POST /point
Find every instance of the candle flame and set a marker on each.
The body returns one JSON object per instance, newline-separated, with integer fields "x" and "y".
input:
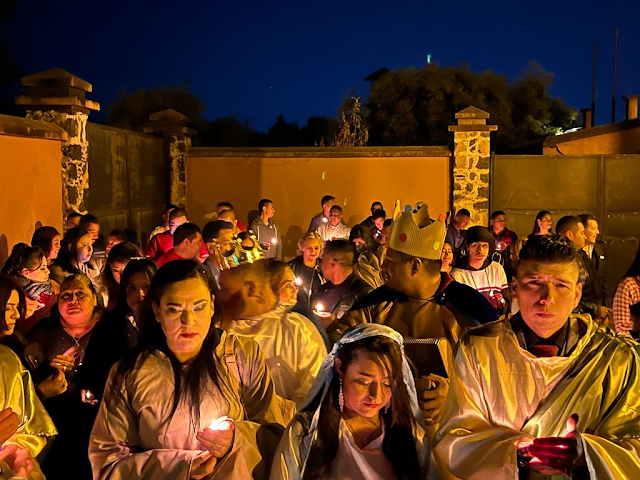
{"x": 274, "y": 240}
{"x": 319, "y": 307}
{"x": 221, "y": 423}
{"x": 298, "y": 281}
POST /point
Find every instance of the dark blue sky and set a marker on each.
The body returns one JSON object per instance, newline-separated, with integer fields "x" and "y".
{"x": 256, "y": 59}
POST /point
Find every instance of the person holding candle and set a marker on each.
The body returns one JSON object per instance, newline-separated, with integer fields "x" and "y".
{"x": 188, "y": 401}
{"x": 543, "y": 392}
{"x": 292, "y": 346}
{"x": 306, "y": 269}
{"x": 334, "y": 228}
{"x": 361, "y": 419}
{"x": 266, "y": 230}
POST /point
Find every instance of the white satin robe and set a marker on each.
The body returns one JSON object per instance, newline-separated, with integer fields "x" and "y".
{"x": 133, "y": 440}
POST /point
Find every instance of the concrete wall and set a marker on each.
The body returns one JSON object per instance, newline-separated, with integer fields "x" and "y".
{"x": 296, "y": 179}
{"x": 31, "y": 181}
{"x": 128, "y": 174}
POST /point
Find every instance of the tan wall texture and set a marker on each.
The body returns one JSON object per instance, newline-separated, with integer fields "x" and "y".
{"x": 31, "y": 186}
{"x": 296, "y": 181}
{"x": 621, "y": 142}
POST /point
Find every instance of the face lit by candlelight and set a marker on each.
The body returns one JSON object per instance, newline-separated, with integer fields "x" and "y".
{"x": 185, "y": 312}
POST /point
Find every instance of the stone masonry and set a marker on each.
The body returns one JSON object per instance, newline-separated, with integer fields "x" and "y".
{"x": 472, "y": 154}
{"x": 58, "y": 97}
{"x": 177, "y": 135}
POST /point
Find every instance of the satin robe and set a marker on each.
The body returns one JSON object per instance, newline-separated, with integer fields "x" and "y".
{"x": 18, "y": 393}
{"x": 132, "y": 438}
{"x": 501, "y": 394}
{"x": 292, "y": 347}
{"x": 293, "y": 451}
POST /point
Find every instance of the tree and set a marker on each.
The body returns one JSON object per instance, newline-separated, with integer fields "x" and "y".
{"x": 283, "y": 134}
{"x": 353, "y": 132}
{"x": 415, "y": 107}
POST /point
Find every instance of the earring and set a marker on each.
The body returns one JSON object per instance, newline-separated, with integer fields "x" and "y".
{"x": 341, "y": 398}
{"x": 386, "y": 407}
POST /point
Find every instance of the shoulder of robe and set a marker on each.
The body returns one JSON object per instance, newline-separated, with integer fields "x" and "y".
{"x": 467, "y": 301}
{"x": 8, "y": 357}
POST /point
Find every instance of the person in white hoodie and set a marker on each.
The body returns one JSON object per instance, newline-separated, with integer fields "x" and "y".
{"x": 334, "y": 229}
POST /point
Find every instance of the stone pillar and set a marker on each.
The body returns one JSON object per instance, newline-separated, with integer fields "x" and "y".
{"x": 471, "y": 163}
{"x": 58, "y": 97}
{"x": 173, "y": 126}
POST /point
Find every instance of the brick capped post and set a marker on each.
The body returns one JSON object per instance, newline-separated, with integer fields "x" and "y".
{"x": 472, "y": 154}
{"x": 58, "y": 97}
{"x": 177, "y": 135}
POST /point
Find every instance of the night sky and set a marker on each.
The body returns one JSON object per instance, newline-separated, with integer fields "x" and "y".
{"x": 257, "y": 59}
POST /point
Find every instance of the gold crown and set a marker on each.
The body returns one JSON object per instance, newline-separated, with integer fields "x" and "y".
{"x": 415, "y": 234}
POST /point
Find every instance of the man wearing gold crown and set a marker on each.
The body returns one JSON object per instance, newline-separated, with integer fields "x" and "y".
{"x": 417, "y": 299}
{"x": 545, "y": 392}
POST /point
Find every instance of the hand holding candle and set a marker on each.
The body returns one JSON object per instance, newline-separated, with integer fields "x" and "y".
{"x": 554, "y": 455}
{"x": 217, "y": 437}
{"x": 327, "y": 318}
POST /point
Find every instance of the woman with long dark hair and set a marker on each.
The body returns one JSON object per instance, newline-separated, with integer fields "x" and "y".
{"x": 118, "y": 332}
{"x": 117, "y": 259}
{"x": 542, "y": 223}
{"x": 76, "y": 256}
{"x": 172, "y": 404}
{"x": 361, "y": 419}
{"x": 48, "y": 239}
{"x": 627, "y": 293}
{"x": 25, "y": 426}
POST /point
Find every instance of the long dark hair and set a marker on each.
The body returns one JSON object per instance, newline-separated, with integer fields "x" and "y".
{"x": 399, "y": 445}
{"x": 190, "y": 384}
{"x": 68, "y": 256}
{"x": 23, "y": 256}
{"x": 7, "y": 285}
{"x": 142, "y": 265}
{"x": 43, "y": 237}
{"x": 360, "y": 231}
{"x": 536, "y": 227}
{"x": 122, "y": 253}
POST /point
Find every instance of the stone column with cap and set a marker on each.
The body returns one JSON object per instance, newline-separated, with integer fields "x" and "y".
{"x": 58, "y": 97}
{"x": 472, "y": 154}
{"x": 177, "y": 135}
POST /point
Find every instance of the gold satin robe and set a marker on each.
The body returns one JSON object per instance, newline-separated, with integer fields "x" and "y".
{"x": 133, "y": 440}
{"x": 501, "y": 394}
{"x": 18, "y": 393}
{"x": 292, "y": 347}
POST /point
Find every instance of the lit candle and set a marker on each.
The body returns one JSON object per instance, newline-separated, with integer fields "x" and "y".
{"x": 88, "y": 395}
{"x": 325, "y": 219}
{"x": 221, "y": 423}
{"x": 274, "y": 241}
{"x": 297, "y": 282}
{"x": 319, "y": 310}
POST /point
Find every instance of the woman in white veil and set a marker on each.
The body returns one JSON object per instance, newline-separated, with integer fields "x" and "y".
{"x": 361, "y": 419}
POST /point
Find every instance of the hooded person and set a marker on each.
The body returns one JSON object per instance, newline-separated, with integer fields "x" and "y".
{"x": 417, "y": 299}
{"x": 292, "y": 346}
{"x": 361, "y": 418}
{"x": 480, "y": 272}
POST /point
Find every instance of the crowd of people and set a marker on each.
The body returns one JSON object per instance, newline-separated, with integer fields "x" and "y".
{"x": 404, "y": 347}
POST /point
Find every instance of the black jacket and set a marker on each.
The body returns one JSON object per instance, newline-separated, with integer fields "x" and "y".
{"x": 338, "y": 299}
{"x": 311, "y": 280}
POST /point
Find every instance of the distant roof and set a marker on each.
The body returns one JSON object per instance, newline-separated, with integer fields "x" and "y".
{"x": 375, "y": 76}
{"x": 553, "y": 140}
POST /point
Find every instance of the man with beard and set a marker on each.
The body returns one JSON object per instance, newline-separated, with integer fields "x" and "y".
{"x": 292, "y": 346}
{"x": 478, "y": 271}
{"x": 544, "y": 392}
{"x": 418, "y": 300}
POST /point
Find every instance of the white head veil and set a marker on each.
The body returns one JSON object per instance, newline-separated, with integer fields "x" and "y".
{"x": 325, "y": 375}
